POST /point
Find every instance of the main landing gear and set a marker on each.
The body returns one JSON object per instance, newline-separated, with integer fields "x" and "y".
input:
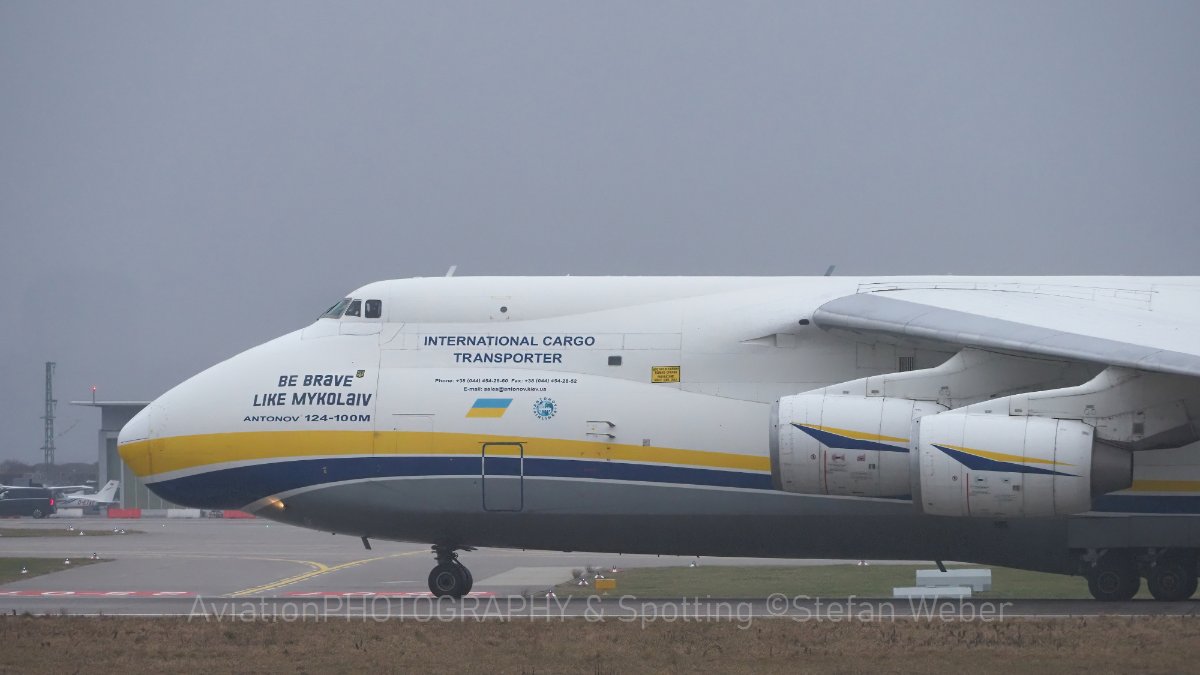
{"x": 1172, "y": 576}
{"x": 449, "y": 578}
{"x": 1114, "y": 577}
{"x": 1116, "y": 574}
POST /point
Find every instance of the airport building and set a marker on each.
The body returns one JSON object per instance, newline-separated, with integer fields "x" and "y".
{"x": 133, "y": 493}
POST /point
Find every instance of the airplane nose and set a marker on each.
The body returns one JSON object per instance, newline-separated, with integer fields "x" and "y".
{"x": 211, "y": 441}
{"x": 133, "y": 441}
{"x": 137, "y": 429}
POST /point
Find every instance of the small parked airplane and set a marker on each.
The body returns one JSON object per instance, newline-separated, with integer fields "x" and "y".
{"x": 106, "y": 495}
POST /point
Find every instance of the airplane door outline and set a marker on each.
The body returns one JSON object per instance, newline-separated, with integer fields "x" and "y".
{"x": 502, "y": 476}
{"x": 417, "y": 427}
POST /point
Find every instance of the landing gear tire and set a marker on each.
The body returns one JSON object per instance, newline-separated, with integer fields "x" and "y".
{"x": 1172, "y": 578}
{"x": 450, "y": 580}
{"x": 471, "y": 580}
{"x": 1114, "y": 578}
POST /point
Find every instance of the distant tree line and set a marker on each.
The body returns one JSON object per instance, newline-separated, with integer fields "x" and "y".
{"x": 71, "y": 473}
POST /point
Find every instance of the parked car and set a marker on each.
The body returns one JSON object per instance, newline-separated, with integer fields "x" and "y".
{"x": 26, "y": 501}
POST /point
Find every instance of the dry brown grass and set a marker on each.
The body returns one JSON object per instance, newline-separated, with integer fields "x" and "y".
{"x": 65, "y": 645}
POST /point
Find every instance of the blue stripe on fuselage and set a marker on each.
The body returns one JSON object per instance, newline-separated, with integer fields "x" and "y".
{"x": 1165, "y": 504}
{"x": 238, "y": 486}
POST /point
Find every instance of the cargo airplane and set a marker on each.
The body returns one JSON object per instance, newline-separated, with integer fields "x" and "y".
{"x": 1046, "y": 423}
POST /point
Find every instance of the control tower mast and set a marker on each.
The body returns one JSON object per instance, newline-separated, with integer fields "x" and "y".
{"x": 48, "y": 446}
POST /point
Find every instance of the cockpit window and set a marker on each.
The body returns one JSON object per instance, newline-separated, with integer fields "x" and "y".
{"x": 355, "y": 308}
{"x": 335, "y": 312}
{"x": 374, "y": 309}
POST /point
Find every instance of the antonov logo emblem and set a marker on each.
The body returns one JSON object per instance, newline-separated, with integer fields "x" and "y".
{"x": 545, "y": 408}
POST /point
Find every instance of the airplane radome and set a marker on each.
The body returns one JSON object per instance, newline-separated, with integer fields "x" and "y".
{"x": 1040, "y": 423}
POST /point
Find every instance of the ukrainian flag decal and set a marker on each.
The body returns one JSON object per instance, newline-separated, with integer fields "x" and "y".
{"x": 489, "y": 407}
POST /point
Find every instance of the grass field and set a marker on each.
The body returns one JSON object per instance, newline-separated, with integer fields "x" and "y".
{"x": 827, "y": 581}
{"x": 62, "y": 644}
{"x": 6, "y": 532}
{"x": 10, "y": 568}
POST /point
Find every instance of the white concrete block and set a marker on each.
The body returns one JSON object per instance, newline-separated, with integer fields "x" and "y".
{"x": 978, "y": 579}
{"x": 183, "y": 513}
{"x": 69, "y": 513}
{"x": 932, "y": 592}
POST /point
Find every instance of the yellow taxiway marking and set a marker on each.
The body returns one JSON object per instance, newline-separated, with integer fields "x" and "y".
{"x": 317, "y": 570}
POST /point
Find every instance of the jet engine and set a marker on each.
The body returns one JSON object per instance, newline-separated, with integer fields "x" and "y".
{"x": 1002, "y": 466}
{"x": 858, "y": 446}
{"x": 951, "y": 463}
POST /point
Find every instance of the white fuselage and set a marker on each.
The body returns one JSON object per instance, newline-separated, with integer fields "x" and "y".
{"x": 624, "y": 414}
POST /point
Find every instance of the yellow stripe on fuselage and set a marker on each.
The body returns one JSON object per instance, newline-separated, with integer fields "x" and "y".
{"x": 857, "y": 435}
{"x": 1002, "y": 456}
{"x": 1165, "y": 486}
{"x": 177, "y": 453}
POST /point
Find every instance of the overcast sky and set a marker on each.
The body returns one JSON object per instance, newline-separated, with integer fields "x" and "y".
{"x": 181, "y": 181}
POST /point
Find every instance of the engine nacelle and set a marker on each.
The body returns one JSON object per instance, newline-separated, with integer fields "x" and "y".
{"x": 1001, "y": 466}
{"x": 858, "y": 446}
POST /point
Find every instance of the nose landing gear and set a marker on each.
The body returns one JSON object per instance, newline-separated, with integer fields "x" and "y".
{"x": 449, "y": 578}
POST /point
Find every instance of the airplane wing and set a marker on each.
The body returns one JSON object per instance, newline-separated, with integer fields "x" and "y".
{"x": 1130, "y": 328}
{"x": 70, "y": 489}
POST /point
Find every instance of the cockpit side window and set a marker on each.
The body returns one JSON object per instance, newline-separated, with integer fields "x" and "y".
{"x": 374, "y": 309}
{"x": 335, "y": 312}
{"x": 355, "y": 308}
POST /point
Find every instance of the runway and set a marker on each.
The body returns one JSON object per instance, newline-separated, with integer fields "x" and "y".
{"x": 258, "y": 570}
{"x": 486, "y": 607}
{"x": 241, "y": 558}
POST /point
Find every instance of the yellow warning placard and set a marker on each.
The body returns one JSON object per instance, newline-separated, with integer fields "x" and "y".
{"x": 664, "y": 374}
